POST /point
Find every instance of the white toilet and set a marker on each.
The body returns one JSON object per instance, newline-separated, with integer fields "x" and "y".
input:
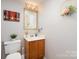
{"x": 14, "y": 56}
{"x": 11, "y": 48}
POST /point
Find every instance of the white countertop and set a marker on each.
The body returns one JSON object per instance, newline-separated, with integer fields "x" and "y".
{"x": 40, "y": 37}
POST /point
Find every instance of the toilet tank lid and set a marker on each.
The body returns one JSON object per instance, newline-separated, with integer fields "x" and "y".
{"x": 11, "y": 42}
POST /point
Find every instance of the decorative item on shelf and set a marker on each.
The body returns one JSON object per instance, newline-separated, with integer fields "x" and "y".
{"x": 13, "y": 36}
{"x": 68, "y": 10}
{"x": 11, "y": 16}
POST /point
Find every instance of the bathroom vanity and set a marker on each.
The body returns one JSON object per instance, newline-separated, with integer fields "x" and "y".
{"x": 34, "y": 48}
{"x": 34, "y": 45}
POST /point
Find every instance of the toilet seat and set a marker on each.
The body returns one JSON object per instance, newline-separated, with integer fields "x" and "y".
{"x": 14, "y": 56}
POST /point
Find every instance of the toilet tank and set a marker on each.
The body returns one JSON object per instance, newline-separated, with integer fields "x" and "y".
{"x": 12, "y": 46}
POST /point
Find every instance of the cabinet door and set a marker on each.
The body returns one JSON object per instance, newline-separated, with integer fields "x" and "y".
{"x": 33, "y": 52}
{"x": 41, "y": 50}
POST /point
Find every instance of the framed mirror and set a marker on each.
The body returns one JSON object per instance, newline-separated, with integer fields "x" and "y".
{"x": 30, "y": 19}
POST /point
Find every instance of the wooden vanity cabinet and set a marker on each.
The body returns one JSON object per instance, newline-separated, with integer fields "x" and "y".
{"x": 34, "y": 49}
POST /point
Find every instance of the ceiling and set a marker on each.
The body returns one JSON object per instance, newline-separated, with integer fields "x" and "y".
{"x": 37, "y": 1}
{"x": 41, "y": 2}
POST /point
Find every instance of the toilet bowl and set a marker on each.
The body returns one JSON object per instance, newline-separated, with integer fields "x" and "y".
{"x": 16, "y": 55}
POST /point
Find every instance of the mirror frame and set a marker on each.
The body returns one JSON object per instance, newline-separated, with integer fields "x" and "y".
{"x": 26, "y": 28}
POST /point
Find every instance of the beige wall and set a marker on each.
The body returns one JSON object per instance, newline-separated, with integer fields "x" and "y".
{"x": 61, "y": 31}
{"x": 8, "y": 27}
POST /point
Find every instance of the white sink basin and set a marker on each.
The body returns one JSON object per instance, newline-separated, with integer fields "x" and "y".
{"x": 28, "y": 38}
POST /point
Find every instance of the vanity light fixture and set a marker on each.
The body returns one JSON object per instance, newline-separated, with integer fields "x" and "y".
{"x": 31, "y": 6}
